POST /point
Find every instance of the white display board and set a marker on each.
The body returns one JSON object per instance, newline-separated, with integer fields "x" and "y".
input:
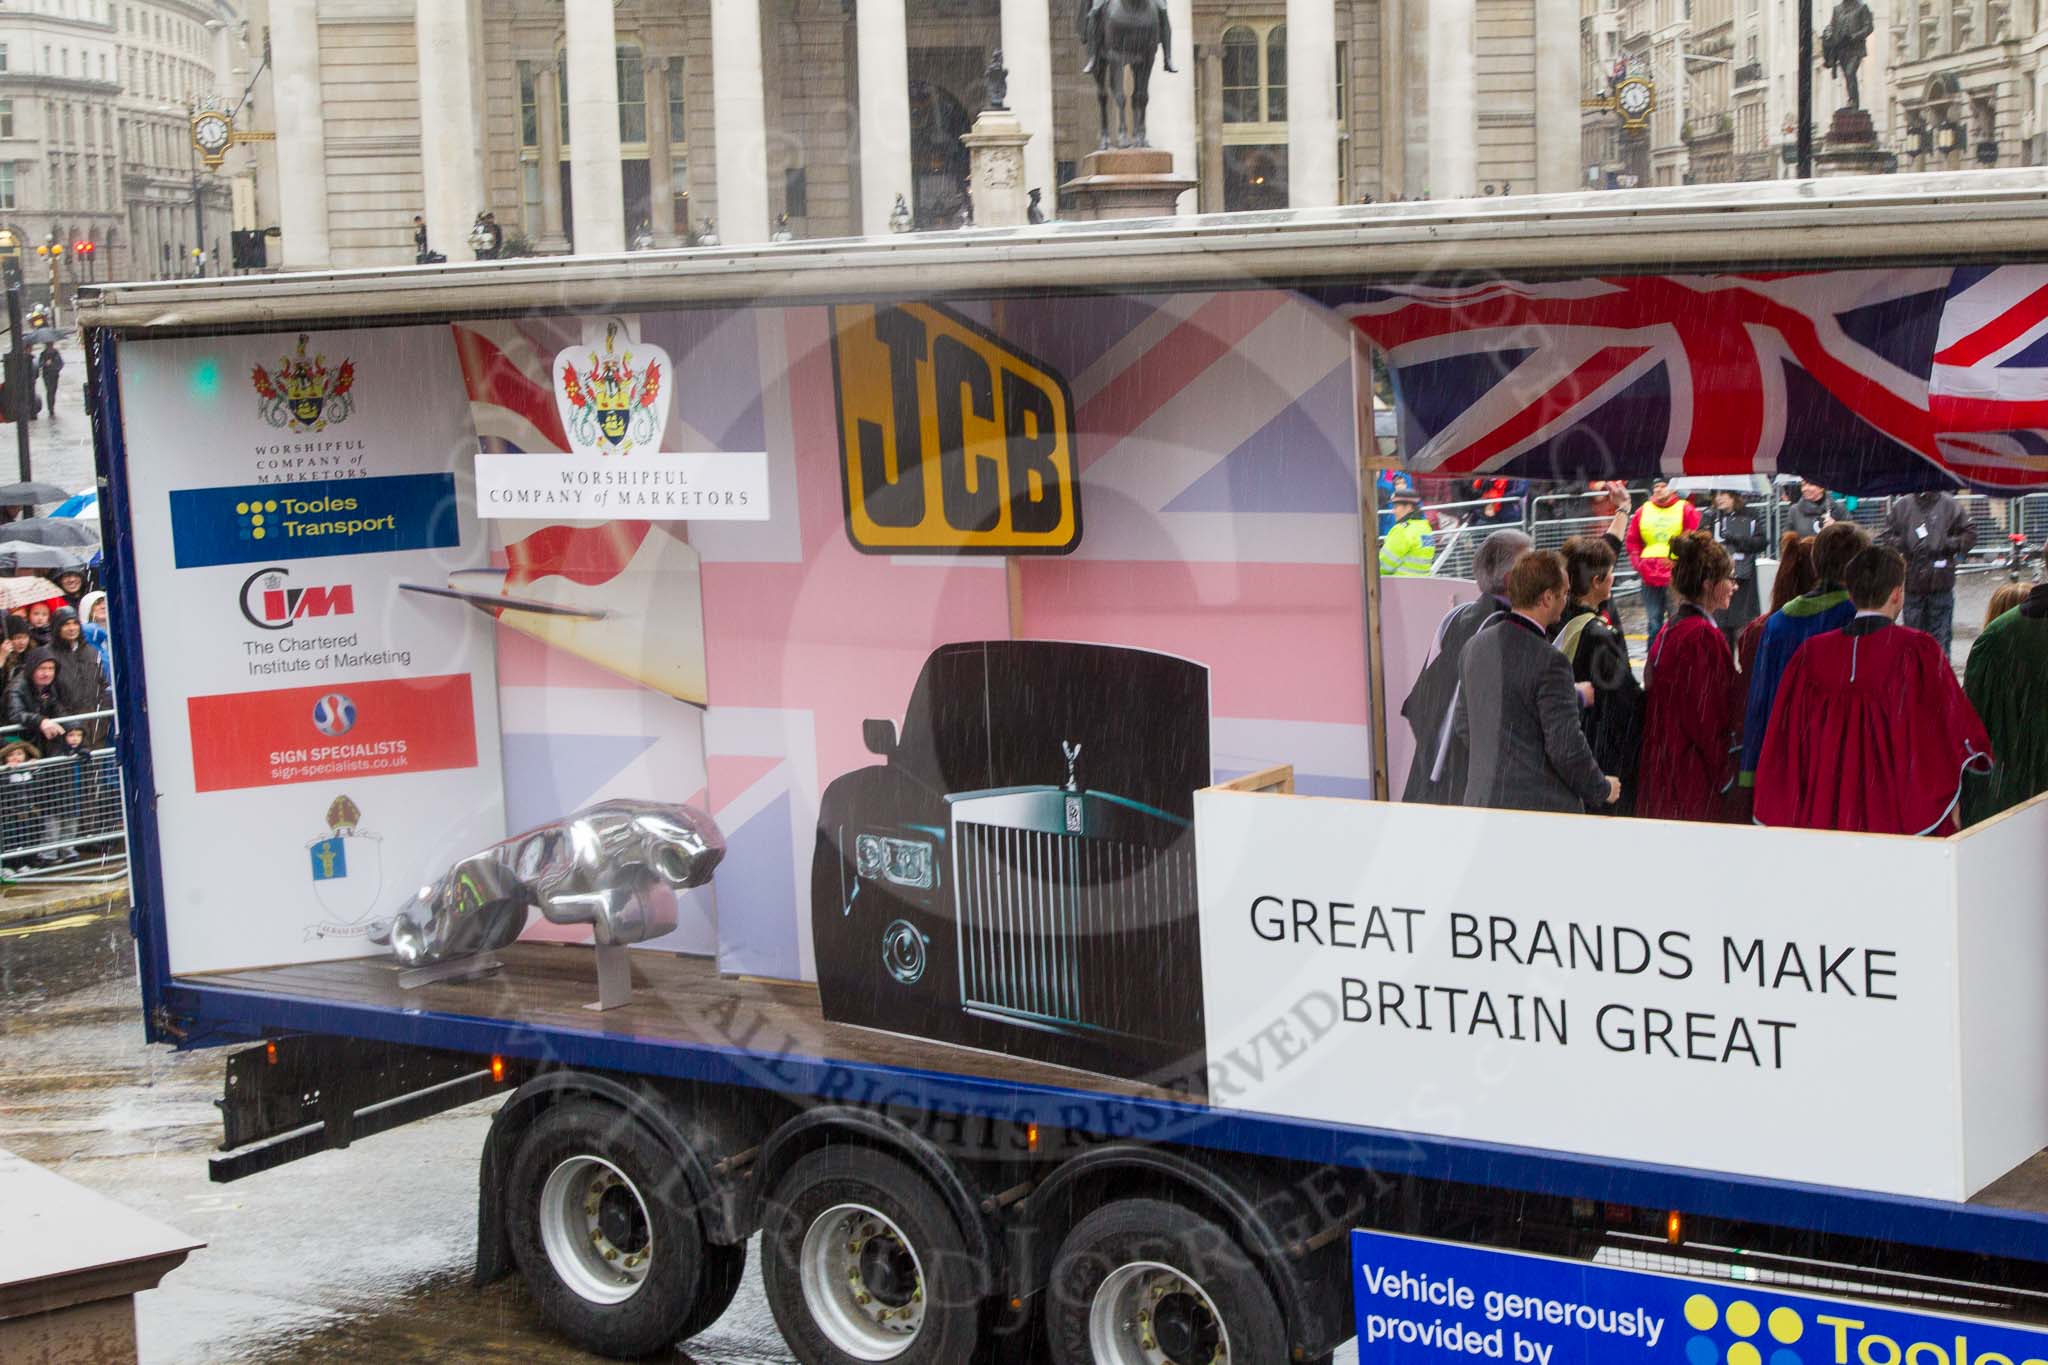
{"x": 324, "y": 739}
{"x": 1779, "y": 1003}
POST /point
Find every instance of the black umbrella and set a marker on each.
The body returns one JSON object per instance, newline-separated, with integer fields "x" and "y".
{"x": 52, "y": 531}
{"x": 30, "y": 494}
{"x": 22, "y": 554}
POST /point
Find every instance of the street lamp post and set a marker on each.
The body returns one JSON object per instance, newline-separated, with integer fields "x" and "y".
{"x": 52, "y": 253}
{"x": 199, "y": 218}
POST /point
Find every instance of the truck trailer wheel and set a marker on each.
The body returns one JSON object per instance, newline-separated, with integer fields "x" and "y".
{"x": 613, "y": 1260}
{"x": 1144, "y": 1282}
{"x": 862, "y": 1262}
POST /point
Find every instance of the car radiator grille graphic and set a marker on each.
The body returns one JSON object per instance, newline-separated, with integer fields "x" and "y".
{"x": 1075, "y": 932}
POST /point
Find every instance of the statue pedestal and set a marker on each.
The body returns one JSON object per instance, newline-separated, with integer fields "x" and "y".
{"x": 1850, "y": 147}
{"x": 1126, "y": 182}
{"x": 995, "y": 176}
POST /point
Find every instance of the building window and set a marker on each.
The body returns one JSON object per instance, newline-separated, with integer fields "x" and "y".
{"x": 6, "y": 118}
{"x": 676, "y": 135}
{"x": 3, "y": 56}
{"x": 1255, "y": 74}
{"x": 1240, "y": 75}
{"x": 529, "y": 196}
{"x": 529, "y": 111}
{"x": 7, "y": 185}
{"x": 1276, "y": 74}
{"x": 632, "y": 95}
{"x": 103, "y": 66}
{"x": 562, "y": 97}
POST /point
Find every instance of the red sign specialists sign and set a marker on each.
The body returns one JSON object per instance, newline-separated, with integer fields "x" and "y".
{"x": 330, "y": 732}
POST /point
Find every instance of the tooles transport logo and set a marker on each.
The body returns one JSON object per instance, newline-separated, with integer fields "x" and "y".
{"x": 303, "y": 393}
{"x": 1757, "y": 1340}
{"x": 360, "y": 516}
{"x": 270, "y": 603}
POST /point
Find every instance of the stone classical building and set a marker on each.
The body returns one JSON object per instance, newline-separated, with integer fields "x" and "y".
{"x": 95, "y": 145}
{"x": 597, "y": 124}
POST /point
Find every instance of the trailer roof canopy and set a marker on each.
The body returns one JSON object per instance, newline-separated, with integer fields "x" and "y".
{"x": 1949, "y": 217}
{"x": 1878, "y": 334}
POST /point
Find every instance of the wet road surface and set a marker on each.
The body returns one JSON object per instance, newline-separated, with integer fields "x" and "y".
{"x": 356, "y": 1255}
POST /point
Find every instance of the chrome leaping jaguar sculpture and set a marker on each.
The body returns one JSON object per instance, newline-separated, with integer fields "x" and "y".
{"x": 617, "y": 866}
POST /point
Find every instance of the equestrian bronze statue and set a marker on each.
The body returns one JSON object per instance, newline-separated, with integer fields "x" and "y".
{"x": 1120, "y": 33}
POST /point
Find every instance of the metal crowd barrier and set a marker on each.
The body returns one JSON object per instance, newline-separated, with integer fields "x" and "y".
{"x": 1543, "y": 518}
{"x": 61, "y": 815}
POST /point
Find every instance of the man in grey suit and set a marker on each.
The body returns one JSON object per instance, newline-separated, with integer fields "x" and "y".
{"x": 1518, "y": 706}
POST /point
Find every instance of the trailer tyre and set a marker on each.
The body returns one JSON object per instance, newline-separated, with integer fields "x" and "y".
{"x": 598, "y": 1220}
{"x": 862, "y": 1261}
{"x": 1142, "y": 1282}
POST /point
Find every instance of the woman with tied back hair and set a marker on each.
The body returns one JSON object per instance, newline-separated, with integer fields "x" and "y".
{"x": 1690, "y": 716}
{"x": 1795, "y": 579}
{"x": 1599, "y": 656}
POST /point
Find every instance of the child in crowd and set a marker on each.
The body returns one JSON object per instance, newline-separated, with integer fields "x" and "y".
{"x": 20, "y": 825}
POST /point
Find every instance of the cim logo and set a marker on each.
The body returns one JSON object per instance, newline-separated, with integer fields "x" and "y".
{"x": 270, "y": 603}
{"x": 1743, "y": 1321}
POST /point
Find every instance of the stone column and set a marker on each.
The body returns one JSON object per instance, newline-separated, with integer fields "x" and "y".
{"x": 1557, "y": 97}
{"x": 594, "y": 177}
{"x": 739, "y": 118}
{"x": 1210, "y": 200}
{"x": 1453, "y": 101}
{"x": 1028, "y": 53}
{"x": 884, "y": 112}
{"x": 1170, "y": 119}
{"x": 301, "y": 134}
{"x": 547, "y": 102}
{"x": 1312, "y": 103}
{"x": 451, "y": 156}
{"x": 1393, "y": 101}
{"x": 661, "y": 179}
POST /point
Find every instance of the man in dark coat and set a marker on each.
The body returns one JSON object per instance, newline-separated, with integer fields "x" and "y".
{"x": 1933, "y": 531}
{"x": 50, "y": 365}
{"x": 81, "y": 679}
{"x": 32, "y": 701}
{"x": 1519, "y": 708}
{"x": 1437, "y": 774}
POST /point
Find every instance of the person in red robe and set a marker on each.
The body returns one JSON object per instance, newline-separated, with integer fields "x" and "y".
{"x": 1872, "y": 731}
{"x": 1691, "y": 709}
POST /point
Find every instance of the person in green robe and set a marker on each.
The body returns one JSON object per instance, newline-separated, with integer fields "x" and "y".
{"x": 2007, "y": 681}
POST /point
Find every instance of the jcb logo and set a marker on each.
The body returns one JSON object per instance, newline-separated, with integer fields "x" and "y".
{"x": 949, "y": 440}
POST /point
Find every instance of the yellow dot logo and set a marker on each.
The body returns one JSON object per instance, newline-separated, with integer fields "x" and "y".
{"x": 1743, "y": 1319}
{"x": 241, "y": 509}
{"x": 1701, "y": 1314}
{"x": 1786, "y": 1326}
{"x": 1742, "y": 1353}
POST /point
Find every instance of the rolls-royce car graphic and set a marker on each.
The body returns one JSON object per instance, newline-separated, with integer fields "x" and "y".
{"x": 1019, "y": 871}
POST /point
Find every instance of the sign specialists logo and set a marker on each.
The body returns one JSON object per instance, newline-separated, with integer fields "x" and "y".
{"x": 256, "y": 522}
{"x": 270, "y": 603}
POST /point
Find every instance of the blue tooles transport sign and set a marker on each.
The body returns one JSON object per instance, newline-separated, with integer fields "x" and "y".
{"x": 1421, "y": 1302}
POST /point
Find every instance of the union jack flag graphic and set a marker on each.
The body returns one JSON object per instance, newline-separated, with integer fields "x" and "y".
{"x": 1989, "y": 385}
{"x": 1831, "y": 374}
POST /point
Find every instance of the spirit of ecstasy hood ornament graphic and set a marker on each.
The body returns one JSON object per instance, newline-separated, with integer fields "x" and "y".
{"x": 1073, "y": 753}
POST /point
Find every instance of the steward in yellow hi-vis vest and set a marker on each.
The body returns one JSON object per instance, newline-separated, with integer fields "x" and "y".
{"x": 1658, "y": 522}
{"x": 1408, "y": 549}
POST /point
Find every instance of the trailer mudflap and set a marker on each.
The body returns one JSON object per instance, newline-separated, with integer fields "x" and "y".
{"x": 293, "y": 1096}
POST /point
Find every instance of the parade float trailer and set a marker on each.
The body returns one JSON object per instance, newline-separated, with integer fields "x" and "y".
{"x": 885, "y": 744}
